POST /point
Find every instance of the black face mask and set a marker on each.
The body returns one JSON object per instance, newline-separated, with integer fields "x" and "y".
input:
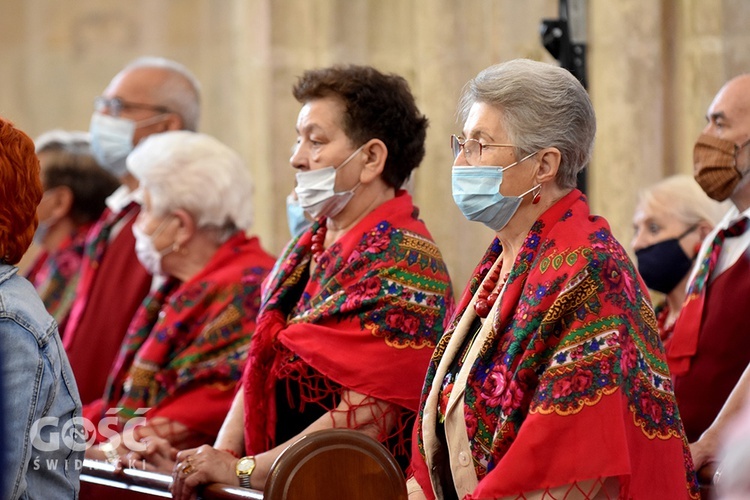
{"x": 664, "y": 264}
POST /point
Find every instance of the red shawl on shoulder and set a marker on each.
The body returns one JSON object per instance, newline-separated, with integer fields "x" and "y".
{"x": 366, "y": 320}
{"x": 55, "y": 275}
{"x": 572, "y": 383}
{"x": 192, "y": 339}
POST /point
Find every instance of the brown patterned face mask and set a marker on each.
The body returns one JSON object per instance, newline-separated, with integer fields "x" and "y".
{"x": 715, "y": 163}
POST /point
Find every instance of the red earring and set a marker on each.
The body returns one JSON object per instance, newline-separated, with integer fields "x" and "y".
{"x": 537, "y": 197}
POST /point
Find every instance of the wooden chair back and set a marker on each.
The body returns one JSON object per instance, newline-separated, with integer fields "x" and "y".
{"x": 335, "y": 463}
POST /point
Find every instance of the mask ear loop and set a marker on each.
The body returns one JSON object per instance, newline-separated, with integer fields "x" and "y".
{"x": 697, "y": 248}
{"x": 688, "y": 231}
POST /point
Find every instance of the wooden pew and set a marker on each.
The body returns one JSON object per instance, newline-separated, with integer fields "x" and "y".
{"x": 99, "y": 480}
{"x": 335, "y": 463}
{"x": 327, "y": 464}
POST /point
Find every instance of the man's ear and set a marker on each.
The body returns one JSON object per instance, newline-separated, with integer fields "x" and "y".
{"x": 376, "y": 153}
{"x": 549, "y": 164}
{"x": 173, "y": 121}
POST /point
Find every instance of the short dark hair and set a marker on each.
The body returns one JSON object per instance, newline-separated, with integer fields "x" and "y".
{"x": 79, "y": 172}
{"x": 377, "y": 106}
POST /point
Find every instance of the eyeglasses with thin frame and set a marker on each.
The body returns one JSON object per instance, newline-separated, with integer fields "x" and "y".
{"x": 116, "y": 105}
{"x": 472, "y": 148}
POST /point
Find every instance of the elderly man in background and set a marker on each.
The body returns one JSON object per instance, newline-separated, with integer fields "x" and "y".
{"x": 710, "y": 351}
{"x": 150, "y": 95}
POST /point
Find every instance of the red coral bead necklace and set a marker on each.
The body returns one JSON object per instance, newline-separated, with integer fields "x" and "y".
{"x": 489, "y": 291}
{"x": 318, "y": 241}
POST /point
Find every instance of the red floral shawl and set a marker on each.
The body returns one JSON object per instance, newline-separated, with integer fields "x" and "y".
{"x": 190, "y": 334}
{"x": 55, "y": 275}
{"x": 572, "y": 383}
{"x": 367, "y": 319}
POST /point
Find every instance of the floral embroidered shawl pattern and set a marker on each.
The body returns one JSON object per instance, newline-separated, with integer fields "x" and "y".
{"x": 192, "y": 333}
{"x": 367, "y": 319}
{"x": 55, "y": 275}
{"x": 572, "y": 383}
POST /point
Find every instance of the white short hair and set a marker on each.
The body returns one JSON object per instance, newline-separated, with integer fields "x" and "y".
{"x": 197, "y": 173}
{"x": 680, "y": 196}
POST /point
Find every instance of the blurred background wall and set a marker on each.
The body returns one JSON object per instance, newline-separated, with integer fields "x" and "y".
{"x": 653, "y": 68}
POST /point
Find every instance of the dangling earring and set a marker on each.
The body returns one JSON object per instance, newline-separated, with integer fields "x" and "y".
{"x": 537, "y": 197}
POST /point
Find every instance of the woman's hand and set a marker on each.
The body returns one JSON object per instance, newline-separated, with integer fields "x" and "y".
{"x": 157, "y": 455}
{"x": 413, "y": 490}
{"x": 703, "y": 451}
{"x": 201, "y": 466}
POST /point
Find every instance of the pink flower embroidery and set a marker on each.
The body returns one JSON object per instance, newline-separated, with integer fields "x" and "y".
{"x": 629, "y": 354}
{"x": 513, "y": 397}
{"x": 582, "y": 381}
{"x": 394, "y": 318}
{"x": 495, "y": 385}
{"x": 361, "y": 292}
{"x": 375, "y": 243}
{"x": 410, "y": 325}
{"x": 650, "y": 408}
{"x": 562, "y": 388}
{"x": 576, "y": 353}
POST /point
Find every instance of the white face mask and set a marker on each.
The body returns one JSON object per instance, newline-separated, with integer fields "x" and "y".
{"x": 315, "y": 190}
{"x": 145, "y": 250}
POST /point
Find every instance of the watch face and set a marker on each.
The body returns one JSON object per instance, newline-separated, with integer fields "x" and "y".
{"x": 246, "y": 465}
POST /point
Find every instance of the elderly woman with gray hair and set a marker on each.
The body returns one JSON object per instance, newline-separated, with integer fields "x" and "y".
{"x": 187, "y": 344}
{"x": 551, "y": 380}
{"x": 75, "y": 190}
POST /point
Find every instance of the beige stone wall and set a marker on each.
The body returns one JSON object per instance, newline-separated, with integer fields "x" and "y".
{"x": 653, "y": 68}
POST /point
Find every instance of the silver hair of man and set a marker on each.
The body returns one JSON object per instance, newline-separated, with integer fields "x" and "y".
{"x": 197, "y": 173}
{"x": 180, "y": 94}
{"x": 543, "y": 106}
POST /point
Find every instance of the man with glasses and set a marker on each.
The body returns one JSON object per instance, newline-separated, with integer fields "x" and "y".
{"x": 150, "y": 95}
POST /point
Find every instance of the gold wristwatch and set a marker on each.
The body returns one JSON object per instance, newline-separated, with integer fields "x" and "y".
{"x": 244, "y": 468}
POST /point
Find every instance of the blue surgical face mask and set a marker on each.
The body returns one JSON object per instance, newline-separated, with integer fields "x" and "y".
{"x": 42, "y": 230}
{"x": 111, "y": 141}
{"x": 295, "y": 216}
{"x": 476, "y": 191}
